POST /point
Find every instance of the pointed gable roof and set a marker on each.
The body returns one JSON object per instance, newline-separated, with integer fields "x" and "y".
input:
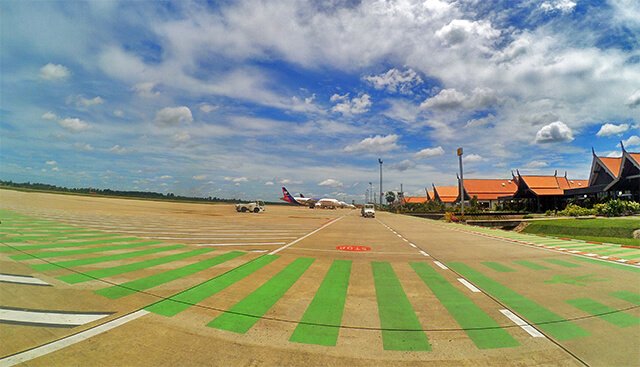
{"x": 612, "y": 164}
{"x": 415, "y": 199}
{"x": 547, "y": 185}
{"x": 489, "y": 189}
{"x": 446, "y": 194}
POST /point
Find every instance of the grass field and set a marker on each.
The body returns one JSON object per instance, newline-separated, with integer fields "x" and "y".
{"x": 609, "y": 230}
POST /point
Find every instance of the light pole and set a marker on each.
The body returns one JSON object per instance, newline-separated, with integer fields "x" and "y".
{"x": 380, "y": 161}
{"x": 369, "y": 199}
{"x": 461, "y": 183}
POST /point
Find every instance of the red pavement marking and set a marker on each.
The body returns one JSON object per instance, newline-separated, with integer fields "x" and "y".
{"x": 353, "y": 248}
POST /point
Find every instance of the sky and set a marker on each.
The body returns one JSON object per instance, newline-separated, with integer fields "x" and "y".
{"x": 235, "y": 99}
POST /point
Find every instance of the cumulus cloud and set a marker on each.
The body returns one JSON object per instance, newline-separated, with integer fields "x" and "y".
{"x": 612, "y": 129}
{"x": 632, "y": 141}
{"x": 402, "y": 165}
{"x": 330, "y": 182}
{"x": 354, "y": 106}
{"x": 430, "y": 152}
{"x": 448, "y": 99}
{"x": 376, "y": 144}
{"x": 165, "y": 177}
{"x": 459, "y": 30}
{"x": 199, "y": 177}
{"x": 146, "y": 89}
{"x": 51, "y": 163}
{"x": 73, "y": 124}
{"x": 172, "y": 116}
{"x": 181, "y": 137}
{"x": 634, "y": 100}
{"x": 472, "y": 158}
{"x": 49, "y": 116}
{"x": 395, "y": 80}
{"x": 564, "y": 6}
{"x": 87, "y": 102}
{"x": 269, "y": 183}
{"x": 85, "y": 147}
{"x": 54, "y": 72}
{"x": 483, "y": 121}
{"x": 118, "y": 113}
{"x": 554, "y": 132}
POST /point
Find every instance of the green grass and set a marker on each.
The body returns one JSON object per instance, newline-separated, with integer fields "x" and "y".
{"x": 609, "y": 230}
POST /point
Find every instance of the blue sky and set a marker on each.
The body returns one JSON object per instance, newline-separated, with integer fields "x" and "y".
{"x": 237, "y": 98}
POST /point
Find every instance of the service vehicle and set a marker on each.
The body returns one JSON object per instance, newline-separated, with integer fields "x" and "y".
{"x": 252, "y": 207}
{"x": 368, "y": 211}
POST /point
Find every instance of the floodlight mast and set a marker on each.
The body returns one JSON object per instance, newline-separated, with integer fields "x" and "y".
{"x": 380, "y": 161}
{"x": 461, "y": 182}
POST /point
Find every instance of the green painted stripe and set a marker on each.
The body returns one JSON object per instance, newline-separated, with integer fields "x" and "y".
{"x": 617, "y": 251}
{"x": 628, "y": 296}
{"x": 155, "y": 280}
{"x": 530, "y": 265}
{"x": 629, "y": 257}
{"x": 536, "y": 314}
{"x": 101, "y": 259}
{"x": 401, "y": 329}
{"x": 488, "y": 334}
{"x": 75, "y": 244}
{"x": 241, "y": 317}
{"x": 321, "y": 321}
{"x": 608, "y": 264}
{"x": 608, "y": 314}
{"x": 38, "y": 238}
{"x": 82, "y": 251}
{"x": 185, "y": 299}
{"x": 498, "y": 267}
{"x": 127, "y": 268}
{"x": 563, "y": 263}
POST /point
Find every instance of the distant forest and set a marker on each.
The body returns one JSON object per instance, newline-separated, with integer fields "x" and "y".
{"x": 108, "y": 192}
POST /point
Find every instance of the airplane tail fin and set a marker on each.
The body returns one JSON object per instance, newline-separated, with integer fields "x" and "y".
{"x": 287, "y": 197}
{"x": 301, "y": 195}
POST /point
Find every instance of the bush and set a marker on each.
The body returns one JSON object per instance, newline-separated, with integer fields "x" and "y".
{"x": 573, "y": 210}
{"x": 617, "y": 207}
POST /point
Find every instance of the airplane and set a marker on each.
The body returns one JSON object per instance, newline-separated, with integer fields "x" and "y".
{"x": 322, "y": 203}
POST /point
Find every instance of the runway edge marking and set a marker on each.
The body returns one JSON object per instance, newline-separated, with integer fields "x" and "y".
{"x": 303, "y": 237}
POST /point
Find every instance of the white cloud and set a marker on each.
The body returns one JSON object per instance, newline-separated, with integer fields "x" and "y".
{"x": 395, "y": 80}
{"x": 83, "y": 147}
{"x": 430, "y": 152}
{"x": 171, "y": 116}
{"x": 554, "y": 132}
{"x": 483, "y": 121}
{"x": 54, "y": 72}
{"x": 118, "y": 113}
{"x": 49, "y": 116}
{"x": 287, "y": 181}
{"x": 459, "y": 30}
{"x": 634, "y": 100}
{"x": 446, "y": 99}
{"x": 330, "y": 182}
{"x": 612, "y": 129}
{"x": 181, "y": 137}
{"x": 117, "y": 149}
{"x": 236, "y": 179}
{"x": 376, "y": 144}
{"x": 165, "y": 177}
{"x": 269, "y": 183}
{"x": 614, "y": 154}
{"x": 73, "y": 124}
{"x": 564, "y": 6}
{"x": 206, "y": 108}
{"x": 536, "y": 164}
{"x": 354, "y": 106}
{"x": 146, "y": 89}
{"x": 472, "y": 158}
{"x": 51, "y": 163}
{"x": 88, "y": 102}
{"x": 199, "y": 177}
{"x": 632, "y": 141}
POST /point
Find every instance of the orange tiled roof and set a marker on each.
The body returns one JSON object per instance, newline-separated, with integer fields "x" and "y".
{"x": 636, "y": 157}
{"x": 430, "y": 195}
{"x": 613, "y": 164}
{"x": 489, "y": 189}
{"x": 415, "y": 199}
{"x": 447, "y": 194}
{"x": 552, "y": 185}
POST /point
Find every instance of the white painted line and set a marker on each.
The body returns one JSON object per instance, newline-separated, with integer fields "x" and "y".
{"x": 520, "y": 322}
{"x": 241, "y": 244}
{"x": 423, "y": 253}
{"x": 562, "y": 249}
{"x": 622, "y": 260}
{"x": 399, "y": 235}
{"x": 214, "y": 237}
{"x": 591, "y": 255}
{"x": 305, "y": 236}
{"x": 604, "y": 257}
{"x": 471, "y": 287}
{"x": 412, "y": 245}
{"x": 405, "y": 240}
{"x": 21, "y": 279}
{"x": 574, "y": 251}
{"x": 440, "y": 265}
{"x": 70, "y": 340}
{"x": 50, "y": 318}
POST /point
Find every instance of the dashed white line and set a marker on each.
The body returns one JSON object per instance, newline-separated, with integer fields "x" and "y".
{"x": 423, "y": 253}
{"x": 21, "y": 279}
{"x": 471, "y": 287}
{"x": 70, "y": 340}
{"x": 520, "y": 322}
{"x": 242, "y": 244}
{"x": 440, "y": 265}
{"x": 412, "y": 245}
